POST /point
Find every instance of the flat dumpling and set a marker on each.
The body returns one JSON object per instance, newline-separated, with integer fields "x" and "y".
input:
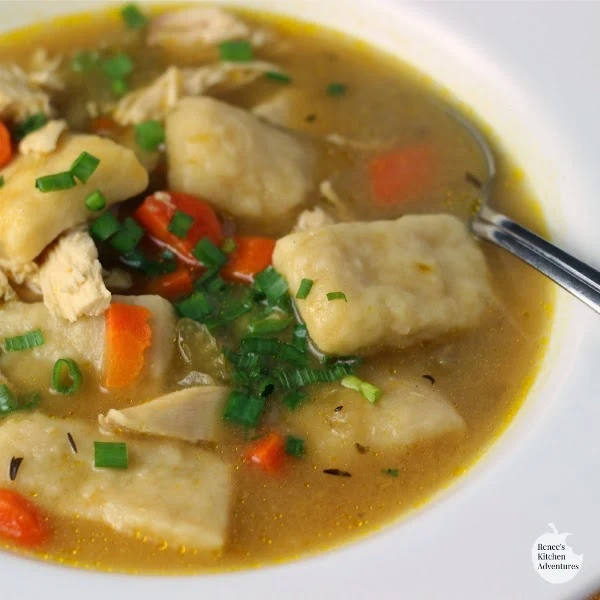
{"x": 30, "y": 219}
{"x": 171, "y": 492}
{"x": 405, "y": 281}
{"x": 230, "y": 157}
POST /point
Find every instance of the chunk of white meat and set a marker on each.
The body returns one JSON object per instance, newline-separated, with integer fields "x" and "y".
{"x": 117, "y": 280}
{"x": 44, "y": 140}
{"x": 313, "y": 218}
{"x": 71, "y": 277}
{"x": 409, "y": 412}
{"x": 230, "y": 157}
{"x": 6, "y": 291}
{"x": 157, "y": 99}
{"x": 25, "y": 276}
{"x": 406, "y": 281}
{"x": 193, "y": 414}
{"x": 171, "y": 492}
{"x": 30, "y": 219}
{"x": 43, "y": 70}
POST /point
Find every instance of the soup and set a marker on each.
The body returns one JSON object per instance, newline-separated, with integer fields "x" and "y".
{"x": 242, "y": 315}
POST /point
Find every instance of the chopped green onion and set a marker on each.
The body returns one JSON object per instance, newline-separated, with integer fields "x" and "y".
{"x": 118, "y": 67}
{"x": 118, "y": 87}
{"x": 95, "y": 201}
{"x": 195, "y": 307}
{"x": 10, "y": 403}
{"x": 304, "y": 289}
{"x": 209, "y": 255}
{"x": 336, "y": 89}
{"x": 149, "y": 135}
{"x": 245, "y": 360}
{"x": 136, "y": 259}
{"x": 84, "y": 61}
{"x": 271, "y": 283}
{"x": 300, "y": 337}
{"x": 269, "y": 325}
{"x": 1, "y": 181}
{"x": 56, "y": 182}
{"x": 74, "y": 375}
{"x": 180, "y": 224}
{"x": 294, "y": 446}
{"x": 32, "y": 123}
{"x": 236, "y": 50}
{"x": 278, "y": 76}
{"x": 244, "y": 409}
{"x": 336, "y": 296}
{"x": 84, "y": 166}
{"x": 291, "y": 378}
{"x": 234, "y": 310}
{"x": 31, "y": 339}
{"x": 128, "y": 236}
{"x": 110, "y": 455}
{"x": 294, "y": 398}
{"x": 392, "y": 472}
{"x": 134, "y": 18}
{"x": 368, "y": 390}
{"x": 261, "y": 345}
{"x": 215, "y": 284}
{"x": 105, "y": 226}
{"x": 228, "y": 245}
{"x": 290, "y": 353}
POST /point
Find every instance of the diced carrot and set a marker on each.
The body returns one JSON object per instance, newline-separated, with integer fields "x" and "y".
{"x": 251, "y": 256}
{"x": 6, "y": 151}
{"x": 156, "y": 212}
{"x": 172, "y": 285}
{"x": 268, "y": 453}
{"x": 21, "y": 521}
{"x": 102, "y": 125}
{"x": 399, "y": 174}
{"x": 128, "y": 335}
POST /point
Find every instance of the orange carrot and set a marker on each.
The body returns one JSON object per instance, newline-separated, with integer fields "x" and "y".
{"x": 172, "y": 285}
{"x": 21, "y": 521}
{"x": 128, "y": 335}
{"x": 399, "y": 174}
{"x": 268, "y": 453}
{"x": 251, "y": 256}
{"x": 102, "y": 125}
{"x": 5, "y": 145}
{"x": 156, "y": 212}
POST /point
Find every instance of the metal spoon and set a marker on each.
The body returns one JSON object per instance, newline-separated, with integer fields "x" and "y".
{"x": 570, "y": 273}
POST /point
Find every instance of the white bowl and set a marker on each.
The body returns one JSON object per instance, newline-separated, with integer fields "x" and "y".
{"x": 531, "y": 71}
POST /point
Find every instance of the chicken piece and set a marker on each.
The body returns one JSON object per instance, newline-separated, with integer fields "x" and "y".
{"x": 314, "y": 218}
{"x": 43, "y": 140}
{"x": 43, "y": 70}
{"x": 243, "y": 166}
{"x": 22, "y": 274}
{"x": 410, "y": 411}
{"x": 6, "y": 291}
{"x": 193, "y": 414}
{"x": 170, "y": 492}
{"x": 30, "y": 219}
{"x": 71, "y": 277}
{"x": 406, "y": 281}
{"x": 157, "y": 99}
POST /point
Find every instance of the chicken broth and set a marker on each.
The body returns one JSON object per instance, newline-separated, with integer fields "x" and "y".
{"x": 373, "y": 359}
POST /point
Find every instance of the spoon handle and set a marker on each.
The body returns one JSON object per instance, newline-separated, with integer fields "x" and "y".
{"x": 569, "y": 272}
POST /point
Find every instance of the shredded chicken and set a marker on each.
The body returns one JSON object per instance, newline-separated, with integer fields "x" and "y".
{"x": 157, "y": 99}
{"x": 43, "y": 140}
{"x": 43, "y": 70}
{"x": 6, "y": 291}
{"x": 314, "y": 218}
{"x": 71, "y": 278}
{"x": 20, "y": 273}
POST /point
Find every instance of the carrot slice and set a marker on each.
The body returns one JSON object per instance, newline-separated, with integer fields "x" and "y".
{"x": 21, "y": 521}
{"x": 399, "y": 174}
{"x": 156, "y": 212}
{"x": 172, "y": 285}
{"x": 268, "y": 453}
{"x": 251, "y": 256}
{"x": 128, "y": 335}
{"x": 6, "y": 151}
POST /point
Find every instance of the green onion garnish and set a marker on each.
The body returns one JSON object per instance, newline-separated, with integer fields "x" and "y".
{"x": 368, "y": 390}
{"x": 110, "y": 455}
{"x": 195, "y": 307}
{"x": 336, "y": 296}
{"x": 118, "y": 67}
{"x": 1, "y": 181}
{"x": 269, "y": 324}
{"x": 31, "y": 339}
{"x": 134, "y": 18}
{"x": 84, "y": 61}
{"x": 128, "y": 236}
{"x": 84, "y": 166}
{"x": 304, "y": 289}
{"x": 10, "y": 403}
{"x": 236, "y": 50}
{"x": 118, "y": 87}
{"x": 290, "y": 353}
{"x": 261, "y": 345}
{"x": 105, "y": 226}
{"x": 244, "y": 409}
{"x": 271, "y": 284}
{"x": 228, "y": 245}
{"x": 336, "y": 89}
{"x": 292, "y": 378}
{"x": 180, "y": 224}
{"x": 56, "y": 182}
{"x": 149, "y": 135}
{"x": 95, "y": 201}
{"x": 300, "y": 337}
{"x": 294, "y": 398}
{"x": 294, "y": 446}
{"x": 32, "y": 123}
{"x": 278, "y": 76}
{"x": 209, "y": 255}
{"x": 73, "y": 373}
{"x": 392, "y": 472}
